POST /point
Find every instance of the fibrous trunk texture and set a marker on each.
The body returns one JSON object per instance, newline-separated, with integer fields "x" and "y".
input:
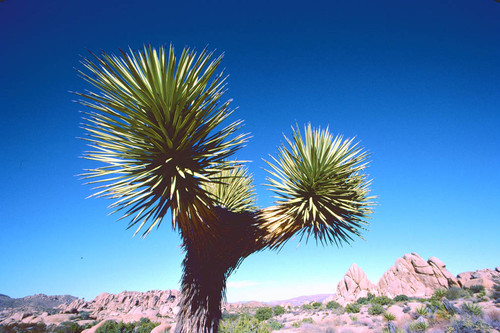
{"x": 207, "y": 265}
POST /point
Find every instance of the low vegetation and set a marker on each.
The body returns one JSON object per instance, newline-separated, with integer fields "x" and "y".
{"x": 452, "y": 310}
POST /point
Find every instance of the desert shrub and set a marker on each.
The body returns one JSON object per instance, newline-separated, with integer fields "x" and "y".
{"x": 493, "y": 318}
{"x": 382, "y": 300}
{"x": 264, "y": 313}
{"x": 316, "y": 305}
{"x": 244, "y": 324}
{"x": 114, "y": 327}
{"x": 365, "y": 300}
{"x": 333, "y": 305}
{"x": 352, "y": 308}
{"x": 468, "y": 325}
{"x": 68, "y": 327}
{"x": 418, "y": 326}
{"x": 84, "y": 315}
{"x": 476, "y": 288}
{"x": 307, "y": 306}
{"x": 422, "y": 310}
{"x": 297, "y": 324}
{"x": 442, "y": 315}
{"x": 376, "y": 309}
{"x": 143, "y": 326}
{"x": 456, "y": 293}
{"x": 229, "y": 316}
{"x": 439, "y": 293}
{"x": 400, "y": 298}
{"x": 307, "y": 320}
{"x": 472, "y": 309}
{"x": 274, "y": 325}
{"x": 495, "y": 294}
{"x": 435, "y": 305}
{"x": 278, "y": 310}
{"x": 22, "y": 327}
{"x": 389, "y": 316}
{"x": 353, "y": 317}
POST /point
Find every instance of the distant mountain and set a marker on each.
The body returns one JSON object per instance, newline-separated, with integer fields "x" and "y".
{"x": 296, "y": 301}
{"x": 35, "y": 302}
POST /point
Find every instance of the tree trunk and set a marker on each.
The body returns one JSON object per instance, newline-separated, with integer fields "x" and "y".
{"x": 208, "y": 264}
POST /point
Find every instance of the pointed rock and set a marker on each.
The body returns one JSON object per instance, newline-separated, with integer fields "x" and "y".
{"x": 354, "y": 285}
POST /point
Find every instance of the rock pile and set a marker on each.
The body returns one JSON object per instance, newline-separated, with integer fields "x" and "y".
{"x": 484, "y": 277}
{"x": 128, "y": 305}
{"x": 411, "y": 276}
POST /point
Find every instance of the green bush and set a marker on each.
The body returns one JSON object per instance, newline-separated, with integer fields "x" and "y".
{"x": 468, "y": 325}
{"x": 439, "y": 293}
{"x": 352, "y": 308}
{"x": 229, "y": 316}
{"x": 244, "y": 324}
{"x": 84, "y": 315}
{"x": 143, "y": 326}
{"x": 417, "y": 326}
{"x": 365, "y": 300}
{"x": 382, "y": 300}
{"x": 274, "y": 325}
{"x": 376, "y": 309}
{"x": 476, "y": 288}
{"x": 22, "y": 327}
{"x": 456, "y": 293}
{"x": 422, "y": 310}
{"x": 264, "y": 313}
{"x": 401, "y": 298}
{"x": 307, "y": 306}
{"x": 316, "y": 305}
{"x": 68, "y": 327}
{"x": 307, "y": 320}
{"x": 389, "y": 316}
{"x": 333, "y": 305}
{"x": 278, "y": 310}
{"x": 353, "y": 317}
{"x": 472, "y": 309}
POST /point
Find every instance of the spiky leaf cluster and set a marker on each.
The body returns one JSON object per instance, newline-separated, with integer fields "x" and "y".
{"x": 157, "y": 125}
{"x": 320, "y": 189}
{"x": 233, "y": 189}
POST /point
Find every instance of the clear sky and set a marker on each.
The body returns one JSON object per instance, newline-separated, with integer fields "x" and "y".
{"x": 417, "y": 82}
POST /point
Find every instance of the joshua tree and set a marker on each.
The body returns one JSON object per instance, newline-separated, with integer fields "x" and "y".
{"x": 157, "y": 124}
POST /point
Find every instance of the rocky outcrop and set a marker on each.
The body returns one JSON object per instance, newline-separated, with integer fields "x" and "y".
{"x": 354, "y": 285}
{"x": 129, "y": 305}
{"x": 413, "y": 276}
{"x": 38, "y": 302}
{"x": 484, "y": 277}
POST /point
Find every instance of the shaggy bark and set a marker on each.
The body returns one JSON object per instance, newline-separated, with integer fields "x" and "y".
{"x": 207, "y": 265}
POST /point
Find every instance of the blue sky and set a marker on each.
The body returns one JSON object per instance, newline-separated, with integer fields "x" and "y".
{"x": 418, "y": 83}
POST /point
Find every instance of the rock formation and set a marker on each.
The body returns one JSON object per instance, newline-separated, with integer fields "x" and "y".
{"x": 413, "y": 276}
{"x": 354, "y": 285}
{"x": 484, "y": 277}
{"x": 131, "y": 305}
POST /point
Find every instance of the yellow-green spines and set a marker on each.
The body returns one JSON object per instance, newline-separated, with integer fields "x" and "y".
{"x": 320, "y": 189}
{"x": 158, "y": 126}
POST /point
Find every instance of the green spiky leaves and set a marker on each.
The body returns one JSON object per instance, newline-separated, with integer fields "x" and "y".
{"x": 157, "y": 125}
{"x": 320, "y": 189}
{"x": 233, "y": 189}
